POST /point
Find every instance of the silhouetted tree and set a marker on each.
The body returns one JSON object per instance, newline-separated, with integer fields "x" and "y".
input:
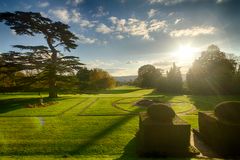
{"x": 55, "y": 33}
{"x": 83, "y": 76}
{"x": 148, "y": 76}
{"x": 212, "y": 72}
{"x": 174, "y": 79}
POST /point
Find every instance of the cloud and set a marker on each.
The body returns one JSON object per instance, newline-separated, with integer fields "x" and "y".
{"x": 192, "y": 32}
{"x": 156, "y": 25}
{"x": 85, "y": 40}
{"x": 100, "y": 12}
{"x": 26, "y": 6}
{"x": 171, "y": 13}
{"x": 136, "y": 27}
{"x": 74, "y": 16}
{"x": 174, "y": 2}
{"x": 134, "y": 62}
{"x": 74, "y": 2}
{"x": 61, "y": 14}
{"x": 167, "y": 2}
{"x": 103, "y": 43}
{"x": 119, "y": 24}
{"x": 178, "y": 20}
{"x": 119, "y": 36}
{"x": 113, "y": 19}
{"x": 44, "y": 14}
{"x": 13, "y": 32}
{"x": 117, "y": 71}
{"x": 162, "y": 63}
{"x": 102, "y": 28}
{"x": 43, "y": 4}
{"x": 99, "y": 64}
{"x": 151, "y": 13}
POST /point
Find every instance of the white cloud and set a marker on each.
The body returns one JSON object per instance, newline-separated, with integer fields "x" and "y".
{"x": 136, "y": 27}
{"x": 61, "y": 14}
{"x": 102, "y": 28}
{"x": 75, "y": 2}
{"x": 151, "y": 13}
{"x": 74, "y": 16}
{"x": 13, "y": 32}
{"x": 26, "y": 6}
{"x": 118, "y": 71}
{"x": 119, "y": 36}
{"x": 104, "y": 42}
{"x": 173, "y": 2}
{"x": 85, "y": 40}
{"x": 178, "y": 20}
{"x": 86, "y": 23}
{"x": 156, "y": 25}
{"x": 99, "y": 64}
{"x": 171, "y": 13}
{"x": 43, "y": 4}
{"x": 119, "y": 23}
{"x": 192, "y": 32}
{"x": 44, "y": 14}
{"x": 167, "y": 2}
{"x": 100, "y": 12}
{"x": 163, "y": 63}
{"x": 113, "y": 19}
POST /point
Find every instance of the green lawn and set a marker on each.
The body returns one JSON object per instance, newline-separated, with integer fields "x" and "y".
{"x": 86, "y": 126}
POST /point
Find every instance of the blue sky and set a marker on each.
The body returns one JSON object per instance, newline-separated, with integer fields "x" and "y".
{"x": 122, "y": 35}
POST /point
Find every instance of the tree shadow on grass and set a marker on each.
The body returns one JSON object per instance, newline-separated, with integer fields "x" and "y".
{"x": 83, "y": 147}
{"x": 159, "y": 96}
{"x": 118, "y": 91}
{"x": 208, "y": 102}
{"x": 7, "y": 105}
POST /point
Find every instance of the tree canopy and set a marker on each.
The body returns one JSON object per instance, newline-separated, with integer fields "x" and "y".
{"x": 94, "y": 79}
{"x": 174, "y": 79}
{"x": 46, "y": 61}
{"x": 212, "y": 72}
{"x": 148, "y": 76}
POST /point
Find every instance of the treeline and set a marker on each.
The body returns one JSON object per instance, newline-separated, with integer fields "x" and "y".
{"x": 82, "y": 80}
{"x": 151, "y": 77}
{"x": 94, "y": 79}
{"x": 214, "y": 72}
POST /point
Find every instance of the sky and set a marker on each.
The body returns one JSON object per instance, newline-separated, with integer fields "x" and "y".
{"x": 121, "y": 35}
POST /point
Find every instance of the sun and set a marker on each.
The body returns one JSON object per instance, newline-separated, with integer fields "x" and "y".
{"x": 185, "y": 53}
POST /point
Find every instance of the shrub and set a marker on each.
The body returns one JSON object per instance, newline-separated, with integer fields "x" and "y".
{"x": 161, "y": 112}
{"x": 228, "y": 111}
{"x": 144, "y": 103}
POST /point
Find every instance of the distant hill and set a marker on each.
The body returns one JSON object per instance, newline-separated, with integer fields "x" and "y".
{"x": 133, "y": 77}
{"x": 125, "y": 78}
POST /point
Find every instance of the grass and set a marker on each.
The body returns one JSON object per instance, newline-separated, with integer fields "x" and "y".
{"x": 85, "y": 126}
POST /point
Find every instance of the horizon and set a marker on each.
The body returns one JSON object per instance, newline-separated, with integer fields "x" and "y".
{"x": 120, "y": 36}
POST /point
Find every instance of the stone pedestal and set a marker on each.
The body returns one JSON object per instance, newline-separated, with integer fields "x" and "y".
{"x": 221, "y": 136}
{"x": 162, "y": 138}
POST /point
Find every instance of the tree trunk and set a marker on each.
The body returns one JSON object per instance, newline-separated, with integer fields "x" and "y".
{"x": 52, "y": 71}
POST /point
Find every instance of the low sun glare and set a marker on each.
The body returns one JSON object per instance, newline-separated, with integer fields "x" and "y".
{"x": 185, "y": 53}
